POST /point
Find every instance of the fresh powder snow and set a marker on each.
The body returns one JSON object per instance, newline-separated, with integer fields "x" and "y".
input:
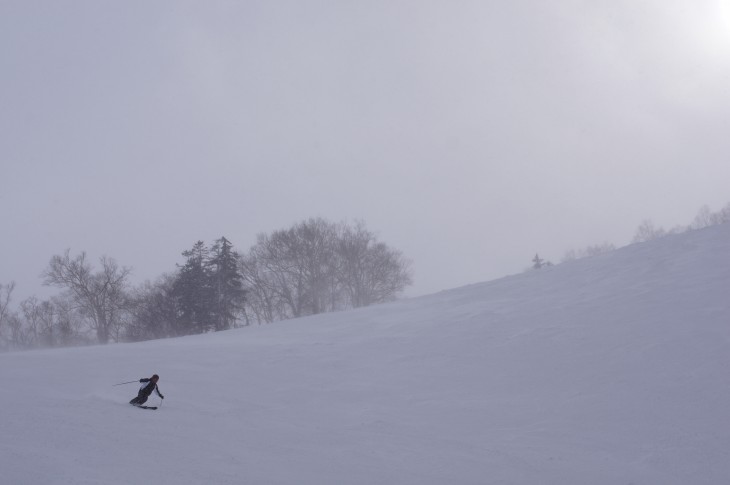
{"x": 608, "y": 370}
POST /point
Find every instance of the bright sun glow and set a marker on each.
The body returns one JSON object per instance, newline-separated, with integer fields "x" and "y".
{"x": 724, "y": 13}
{"x": 714, "y": 31}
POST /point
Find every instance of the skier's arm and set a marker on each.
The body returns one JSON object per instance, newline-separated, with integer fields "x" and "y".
{"x": 144, "y": 379}
{"x": 158, "y": 392}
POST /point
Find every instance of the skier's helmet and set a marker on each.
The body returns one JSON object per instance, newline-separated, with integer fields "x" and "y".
{"x": 155, "y": 377}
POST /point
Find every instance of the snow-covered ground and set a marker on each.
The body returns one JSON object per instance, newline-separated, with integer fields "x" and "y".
{"x": 610, "y": 370}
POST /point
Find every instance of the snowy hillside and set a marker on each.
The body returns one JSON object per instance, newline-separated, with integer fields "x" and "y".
{"x": 610, "y": 370}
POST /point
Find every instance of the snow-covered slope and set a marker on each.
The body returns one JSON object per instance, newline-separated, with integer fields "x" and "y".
{"x": 610, "y": 370}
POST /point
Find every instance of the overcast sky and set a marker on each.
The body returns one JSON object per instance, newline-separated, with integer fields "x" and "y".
{"x": 468, "y": 134}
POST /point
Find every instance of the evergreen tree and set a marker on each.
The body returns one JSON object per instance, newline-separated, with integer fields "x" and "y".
{"x": 226, "y": 283}
{"x": 193, "y": 292}
{"x": 537, "y": 262}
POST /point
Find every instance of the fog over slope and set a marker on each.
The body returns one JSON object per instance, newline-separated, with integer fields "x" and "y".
{"x": 608, "y": 370}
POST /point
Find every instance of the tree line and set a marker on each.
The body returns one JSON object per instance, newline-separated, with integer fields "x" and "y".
{"x": 646, "y": 231}
{"x": 315, "y": 266}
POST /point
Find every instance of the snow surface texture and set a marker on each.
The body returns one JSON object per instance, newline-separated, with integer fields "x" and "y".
{"x": 609, "y": 370}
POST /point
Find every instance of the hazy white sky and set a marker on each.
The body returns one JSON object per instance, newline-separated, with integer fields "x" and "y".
{"x": 468, "y": 134}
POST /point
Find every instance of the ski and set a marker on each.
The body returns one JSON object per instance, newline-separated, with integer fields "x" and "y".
{"x": 146, "y": 407}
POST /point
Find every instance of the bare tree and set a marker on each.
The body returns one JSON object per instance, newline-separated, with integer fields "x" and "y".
{"x": 297, "y": 267}
{"x": 40, "y": 319}
{"x": 6, "y": 294}
{"x": 313, "y": 242}
{"x": 154, "y": 310}
{"x": 317, "y": 266}
{"x": 20, "y": 336}
{"x": 263, "y": 298}
{"x": 723, "y": 215}
{"x": 100, "y": 296}
{"x": 704, "y": 218}
{"x": 67, "y": 321}
{"x": 647, "y": 231}
{"x": 369, "y": 270}
{"x": 589, "y": 251}
{"x": 30, "y": 307}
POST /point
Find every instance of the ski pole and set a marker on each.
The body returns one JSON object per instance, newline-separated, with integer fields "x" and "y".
{"x": 123, "y": 383}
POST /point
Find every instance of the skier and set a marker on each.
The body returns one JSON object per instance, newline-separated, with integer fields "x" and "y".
{"x": 148, "y": 385}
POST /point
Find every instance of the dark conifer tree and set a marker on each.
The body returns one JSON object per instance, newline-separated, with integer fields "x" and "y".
{"x": 537, "y": 262}
{"x": 226, "y": 283}
{"x": 194, "y": 293}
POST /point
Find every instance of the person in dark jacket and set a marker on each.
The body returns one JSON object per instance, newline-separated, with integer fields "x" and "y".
{"x": 146, "y": 388}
